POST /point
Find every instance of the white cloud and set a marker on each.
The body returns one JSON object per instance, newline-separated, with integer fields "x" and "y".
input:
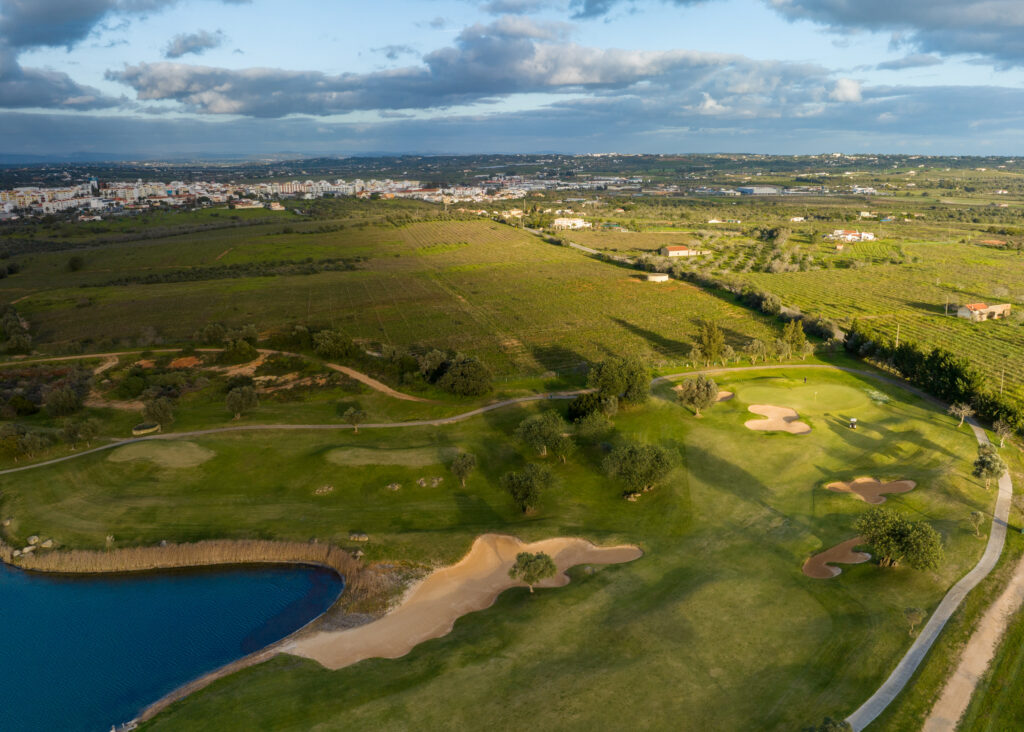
{"x": 846, "y": 90}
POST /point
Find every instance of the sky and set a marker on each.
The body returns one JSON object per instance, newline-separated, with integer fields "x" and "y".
{"x": 152, "y": 78}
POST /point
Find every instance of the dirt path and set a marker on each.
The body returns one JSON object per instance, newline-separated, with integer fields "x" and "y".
{"x": 223, "y": 254}
{"x": 233, "y": 370}
{"x": 431, "y": 607}
{"x": 977, "y": 656}
{"x": 376, "y": 385}
{"x": 901, "y": 675}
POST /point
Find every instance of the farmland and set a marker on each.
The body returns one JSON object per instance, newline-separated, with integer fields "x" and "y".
{"x": 483, "y": 288}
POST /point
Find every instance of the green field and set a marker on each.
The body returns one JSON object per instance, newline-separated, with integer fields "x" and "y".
{"x": 716, "y": 618}
{"x": 483, "y": 288}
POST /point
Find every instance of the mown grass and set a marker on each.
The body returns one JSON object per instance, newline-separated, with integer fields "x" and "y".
{"x": 716, "y": 620}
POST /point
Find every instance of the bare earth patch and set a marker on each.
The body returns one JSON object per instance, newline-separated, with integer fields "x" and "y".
{"x": 818, "y": 566}
{"x": 777, "y": 419}
{"x": 431, "y": 607}
{"x": 185, "y": 362}
{"x": 870, "y": 490}
{"x": 166, "y": 454}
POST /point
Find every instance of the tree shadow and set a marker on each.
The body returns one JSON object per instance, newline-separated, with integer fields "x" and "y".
{"x": 560, "y": 359}
{"x": 660, "y": 344}
{"x": 475, "y": 512}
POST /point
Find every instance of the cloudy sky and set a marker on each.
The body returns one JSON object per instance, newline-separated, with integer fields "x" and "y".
{"x": 159, "y": 77}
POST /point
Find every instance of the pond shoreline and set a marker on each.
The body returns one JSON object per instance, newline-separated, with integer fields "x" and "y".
{"x": 358, "y": 584}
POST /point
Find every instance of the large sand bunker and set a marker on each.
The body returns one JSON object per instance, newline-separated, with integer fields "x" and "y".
{"x": 870, "y": 490}
{"x": 818, "y": 566}
{"x": 431, "y": 608}
{"x": 777, "y": 419}
{"x": 165, "y": 454}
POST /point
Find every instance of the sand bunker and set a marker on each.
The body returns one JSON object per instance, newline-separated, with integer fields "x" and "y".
{"x": 165, "y": 454}
{"x": 412, "y": 457}
{"x": 817, "y": 567}
{"x": 431, "y": 608}
{"x": 777, "y": 419}
{"x": 870, "y": 490}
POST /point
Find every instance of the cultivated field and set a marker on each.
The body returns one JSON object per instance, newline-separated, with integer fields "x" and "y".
{"x": 479, "y": 287}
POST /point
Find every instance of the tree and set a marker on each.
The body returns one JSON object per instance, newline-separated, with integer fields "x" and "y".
{"x": 562, "y": 446}
{"x": 989, "y": 466}
{"x": 541, "y": 430}
{"x": 627, "y": 379}
{"x": 977, "y": 518}
{"x": 1003, "y": 430}
{"x": 728, "y": 354}
{"x": 914, "y": 616}
{"x": 830, "y": 725}
{"x": 532, "y": 568}
{"x": 466, "y": 376}
{"x": 894, "y": 539}
{"x": 699, "y": 393}
{"x": 238, "y": 351}
{"x": 697, "y": 355}
{"x": 463, "y": 464}
{"x": 62, "y": 401}
{"x": 241, "y": 399}
{"x": 159, "y": 411}
{"x": 332, "y": 344}
{"x": 961, "y": 410}
{"x": 756, "y": 350}
{"x": 590, "y": 403}
{"x": 640, "y": 467}
{"x": 32, "y": 442}
{"x": 88, "y": 429}
{"x": 711, "y": 340}
{"x": 526, "y": 486}
{"x": 354, "y": 416}
{"x": 594, "y": 426}
{"x": 793, "y": 335}
{"x": 431, "y": 364}
{"x": 75, "y": 263}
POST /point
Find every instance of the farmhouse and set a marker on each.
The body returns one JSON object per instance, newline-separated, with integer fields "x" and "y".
{"x": 565, "y": 223}
{"x": 979, "y": 311}
{"x": 657, "y": 277}
{"x": 850, "y": 235}
{"x": 680, "y": 251}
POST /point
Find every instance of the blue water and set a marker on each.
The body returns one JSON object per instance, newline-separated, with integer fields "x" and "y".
{"x": 85, "y": 653}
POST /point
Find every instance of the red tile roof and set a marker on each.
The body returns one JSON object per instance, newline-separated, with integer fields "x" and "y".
{"x": 976, "y": 306}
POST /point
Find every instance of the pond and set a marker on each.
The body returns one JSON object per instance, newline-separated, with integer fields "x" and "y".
{"x": 85, "y": 653}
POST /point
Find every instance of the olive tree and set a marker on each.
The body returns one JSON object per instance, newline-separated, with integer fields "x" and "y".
{"x": 241, "y": 399}
{"x": 532, "y": 568}
{"x": 461, "y": 467}
{"x": 698, "y": 393}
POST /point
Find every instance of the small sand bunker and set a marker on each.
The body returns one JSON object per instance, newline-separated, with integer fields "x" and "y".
{"x": 777, "y": 419}
{"x": 165, "y": 454}
{"x": 818, "y": 566}
{"x": 431, "y": 608}
{"x": 410, "y": 457}
{"x": 870, "y": 490}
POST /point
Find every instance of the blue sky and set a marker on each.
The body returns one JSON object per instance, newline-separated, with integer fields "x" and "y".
{"x": 161, "y": 77}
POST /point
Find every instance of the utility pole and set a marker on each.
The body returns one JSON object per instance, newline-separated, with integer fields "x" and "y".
{"x": 1002, "y": 378}
{"x": 897, "y": 335}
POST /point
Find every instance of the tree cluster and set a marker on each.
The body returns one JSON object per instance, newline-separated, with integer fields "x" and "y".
{"x": 626, "y": 379}
{"x": 639, "y": 467}
{"x": 895, "y": 539}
